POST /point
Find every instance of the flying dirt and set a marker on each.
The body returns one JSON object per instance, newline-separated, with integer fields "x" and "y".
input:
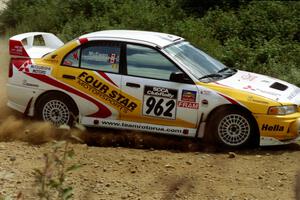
{"x": 13, "y": 126}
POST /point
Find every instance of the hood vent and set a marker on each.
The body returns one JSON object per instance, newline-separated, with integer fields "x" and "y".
{"x": 278, "y": 86}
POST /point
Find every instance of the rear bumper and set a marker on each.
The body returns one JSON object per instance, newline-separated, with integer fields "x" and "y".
{"x": 19, "y": 98}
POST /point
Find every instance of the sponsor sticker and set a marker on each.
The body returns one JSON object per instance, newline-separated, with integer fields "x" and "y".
{"x": 16, "y": 48}
{"x": 112, "y": 58}
{"x": 251, "y": 98}
{"x": 141, "y": 126}
{"x": 268, "y": 92}
{"x": 276, "y": 127}
{"x": 188, "y": 95}
{"x": 35, "y": 69}
{"x": 160, "y": 102}
{"x": 25, "y": 83}
{"x": 105, "y": 92}
{"x": 75, "y": 55}
{"x": 249, "y": 87}
{"x": 294, "y": 94}
{"x": 248, "y": 77}
{"x": 67, "y": 62}
{"x": 189, "y": 105}
{"x": 205, "y": 92}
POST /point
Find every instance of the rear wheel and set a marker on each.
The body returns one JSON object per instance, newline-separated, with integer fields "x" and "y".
{"x": 56, "y": 108}
{"x": 232, "y": 128}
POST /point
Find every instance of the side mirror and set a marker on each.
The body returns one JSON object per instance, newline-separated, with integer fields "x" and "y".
{"x": 180, "y": 77}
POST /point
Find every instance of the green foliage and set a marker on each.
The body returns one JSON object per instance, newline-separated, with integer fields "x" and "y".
{"x": 259, "y": 36}
{"x": 51, "y": 180}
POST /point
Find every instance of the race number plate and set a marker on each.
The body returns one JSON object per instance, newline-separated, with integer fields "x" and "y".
{"x": 160, "y": 102}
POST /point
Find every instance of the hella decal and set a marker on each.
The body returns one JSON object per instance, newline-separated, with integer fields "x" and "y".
{"x": 105, "y": 92}
{"x": 266, "y": 127}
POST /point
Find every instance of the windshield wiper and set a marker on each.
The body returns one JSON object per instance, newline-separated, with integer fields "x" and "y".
{"x": 211, "y": 76}
{"x": 224, "y": 69}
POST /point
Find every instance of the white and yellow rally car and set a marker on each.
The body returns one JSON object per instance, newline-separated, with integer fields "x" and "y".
{"x": 148, "y": 81}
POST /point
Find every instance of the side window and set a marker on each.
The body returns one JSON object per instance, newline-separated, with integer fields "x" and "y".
{"x": 72, "y": 59}
{"x": 147, "y": 62}
{"x": 103, "y": 57}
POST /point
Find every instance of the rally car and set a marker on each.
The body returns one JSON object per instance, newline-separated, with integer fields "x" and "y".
{"x": 148, "y": 81}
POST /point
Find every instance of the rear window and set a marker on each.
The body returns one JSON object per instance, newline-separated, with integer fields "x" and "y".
{"x": 101, "y": 57}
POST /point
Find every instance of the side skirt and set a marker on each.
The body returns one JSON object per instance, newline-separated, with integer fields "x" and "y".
{"x": 119, "y": 124}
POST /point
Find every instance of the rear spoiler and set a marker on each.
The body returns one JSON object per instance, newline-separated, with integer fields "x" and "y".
{"x": 33, "y": 44}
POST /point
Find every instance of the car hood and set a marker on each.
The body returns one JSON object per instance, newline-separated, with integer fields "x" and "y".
{"x": 262, "y": 85}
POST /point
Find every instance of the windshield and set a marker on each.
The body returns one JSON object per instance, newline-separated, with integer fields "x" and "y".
{"x": 199, "y": 63}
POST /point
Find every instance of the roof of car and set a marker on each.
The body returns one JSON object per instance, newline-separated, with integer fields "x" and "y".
{"x": 155, "y": 38}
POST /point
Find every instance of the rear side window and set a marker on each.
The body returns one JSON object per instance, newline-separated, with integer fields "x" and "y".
{"x": 101, "y": 57}
{"x": 72, "y": 59}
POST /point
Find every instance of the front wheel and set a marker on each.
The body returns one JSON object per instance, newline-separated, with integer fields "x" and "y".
{"x": 232, "y": 128}
{"x": 57, "y": 109}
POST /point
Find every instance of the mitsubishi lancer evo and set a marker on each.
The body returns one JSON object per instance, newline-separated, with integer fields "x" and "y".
{"x": 151, "y": 82}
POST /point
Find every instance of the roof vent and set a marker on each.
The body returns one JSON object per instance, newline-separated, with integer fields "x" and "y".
{"x": 278, "y": 86}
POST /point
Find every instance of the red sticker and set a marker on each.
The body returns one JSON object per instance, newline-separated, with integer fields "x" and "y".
{"x": 16, "y": 48}
{"x": 186, "y": 104}
{"x": 112, "y": 58}
{"x": 24, "y": 67}
{"x": 66, "y": 62}
{"x": 75, "y": 55}
{"x": 249, "y": 87}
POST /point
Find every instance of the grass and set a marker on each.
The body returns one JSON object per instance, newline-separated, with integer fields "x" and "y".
{"x": 51, "y": 180}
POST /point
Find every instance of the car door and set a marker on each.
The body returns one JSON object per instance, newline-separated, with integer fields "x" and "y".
{"x": 163, "y": 102}
{"x": 92, "y": 72}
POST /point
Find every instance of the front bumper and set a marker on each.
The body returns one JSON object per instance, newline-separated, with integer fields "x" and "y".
{"x": 278, "y": 129}
{"x": 270, "y": 141}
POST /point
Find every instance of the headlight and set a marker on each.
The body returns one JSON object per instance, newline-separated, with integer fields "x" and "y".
{"x": 282, "y": 110}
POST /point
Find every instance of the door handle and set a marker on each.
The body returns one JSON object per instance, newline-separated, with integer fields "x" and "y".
{"x": 68, "y": 76}
{"x": 135, "y": 85}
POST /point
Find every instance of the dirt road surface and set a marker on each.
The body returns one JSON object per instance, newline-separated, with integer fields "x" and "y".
{"x": 129, "y": 165}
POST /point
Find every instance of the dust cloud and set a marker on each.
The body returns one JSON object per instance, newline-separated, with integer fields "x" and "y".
{"x": 14, "y": 126}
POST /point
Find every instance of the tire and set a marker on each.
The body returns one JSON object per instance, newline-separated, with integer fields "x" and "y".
{"x": 59, "y": 109}
{"x": 232, "y": 128}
